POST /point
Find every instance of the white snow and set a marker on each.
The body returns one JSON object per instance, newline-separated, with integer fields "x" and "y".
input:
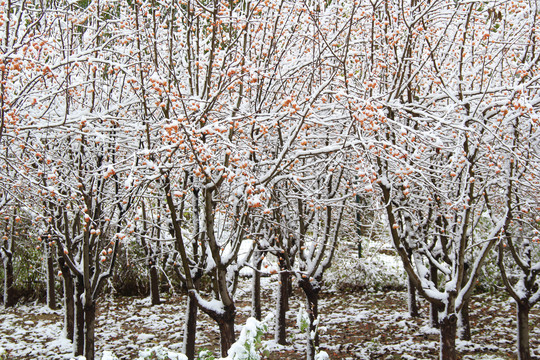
{"x": 128, "y": 326}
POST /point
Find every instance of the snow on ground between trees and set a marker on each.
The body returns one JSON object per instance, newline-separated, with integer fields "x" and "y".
{"x": 353, "y": 325}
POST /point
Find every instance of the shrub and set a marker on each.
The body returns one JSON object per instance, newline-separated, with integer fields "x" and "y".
{"x": 378, "y": 269}
{"x": 3, "y": 353}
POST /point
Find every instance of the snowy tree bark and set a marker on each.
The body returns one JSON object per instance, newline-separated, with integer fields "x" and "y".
{"x": 151, "y": 258}
{"x": 311, "y": 290}
{"x": 282, "y": 307}
{"x": 190, "y": 327}
{"x": 69, "y": 293}
{"x": 69, "y": 305}
{"x": 256, "y": 285}
{"x": 9, "y": 289}
{"x": 6, "y": 253}
{"x": 78, "y": 335}
{"x": 464, "y": 322}
{"x": 524, "y": 352}
{"x": 51, "y": 290}
{"x": 154, "y": 283}
{"x": 412, "y": 301}
{"x": 433, "y": 308}
{"x": 448, "y": 326}
{"x": 226, "y": 328}
{"x": 89, "y": 329}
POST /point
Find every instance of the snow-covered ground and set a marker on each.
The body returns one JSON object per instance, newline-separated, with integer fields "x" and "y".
{"x": 353, "y": 324}
{"x": 357, "y": 325}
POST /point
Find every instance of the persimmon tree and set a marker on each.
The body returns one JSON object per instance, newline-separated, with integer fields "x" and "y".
{"x": 22, "y": 51}
{"x": 151, "y": 235}
{"x": 311, "y": 173}
{"x": 73, "y": 149}
{"x": 185, "y": 90}
{"x": 425, "y": 123}
{"x": 513, "y": 194}
{"x": 230, "y": 79}
{"x": 303, "y": 215}
{"x": 518, "y": 250}
{"x": 307, "y": 217}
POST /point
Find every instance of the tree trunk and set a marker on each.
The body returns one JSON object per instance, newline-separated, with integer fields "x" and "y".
{"x": 464, "y": 323}
{"x": 69, "y": 293}
{"x": 434, "y": 316}
{"x": 448, "y": 327}
{"x": 9, "y": 289}
{"x": 69, "y": 306}
{"x": 312, "y": 300}
{"x": 51, "y": 290}
{"x": 289, "y": 292}
{"x": 281, "y": 311}
{"x": 190, "y": 327}
{"x": 524, "y": 352}
{"x": 313, "y": 312}
{"x": 313, "y": 315}
{"x": 412, "y": 301}
{"x": 89, "y": 329}
{"x": 154, "y": 284}
{"x": 78, "y": 335}
{"x": 226, "y": 329}
{"x": 434, "y": 309}
{"x": 256, "y": 286}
